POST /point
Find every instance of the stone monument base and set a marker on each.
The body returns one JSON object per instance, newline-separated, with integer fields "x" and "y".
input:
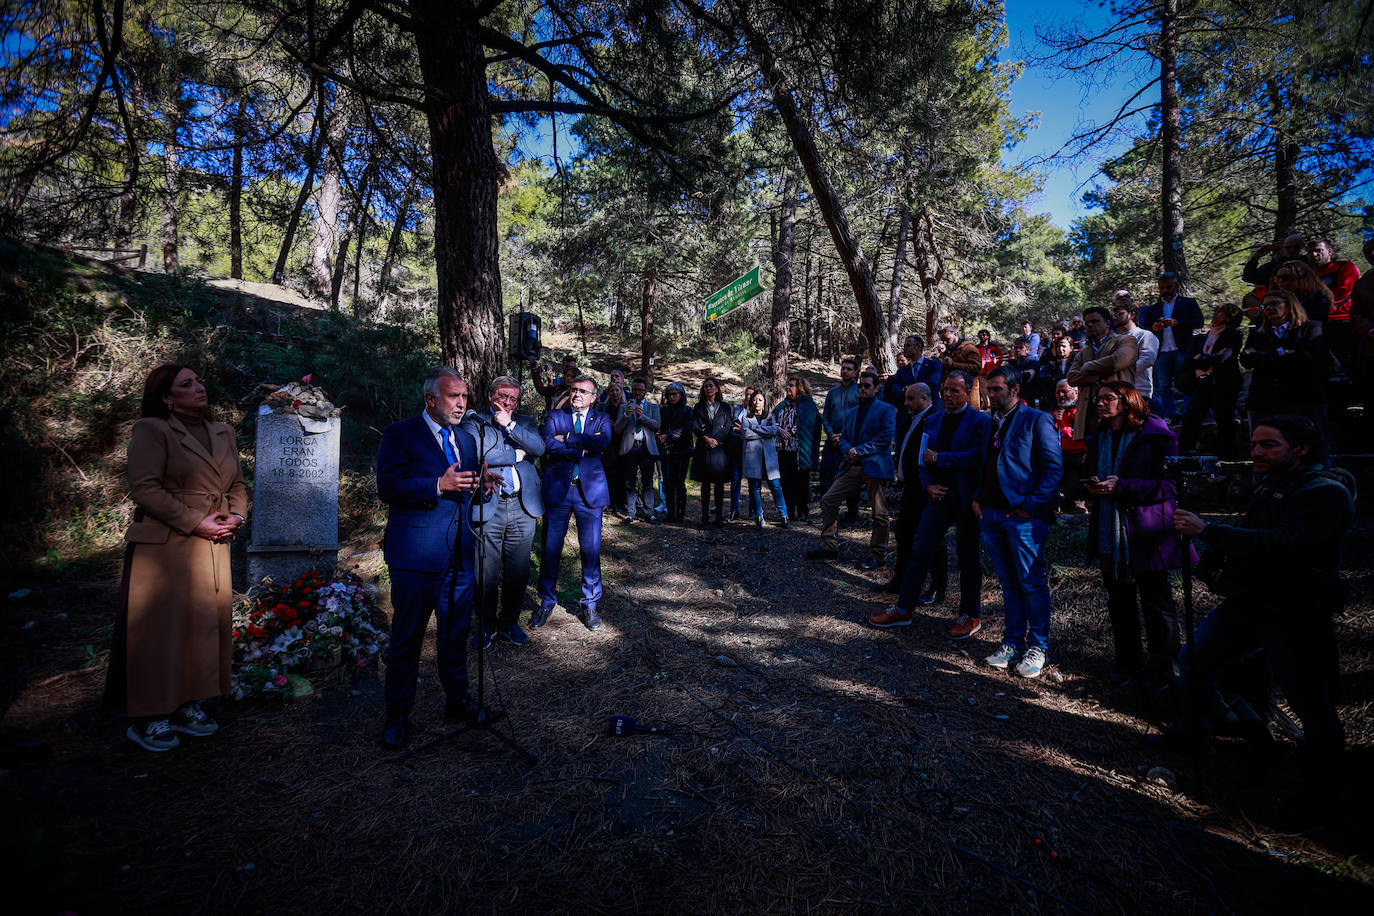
{"x": 284, "y": 564}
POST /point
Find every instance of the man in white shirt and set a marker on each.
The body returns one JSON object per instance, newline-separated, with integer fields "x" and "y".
{"x": 1174, "y": 319}
{"x": 1123, "y": 322}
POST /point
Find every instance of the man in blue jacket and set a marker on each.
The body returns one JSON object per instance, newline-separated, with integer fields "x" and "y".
{"x": 428, "y": 472}
{"x": 574, "y": 485}
{"x": 1015, "y": 508}
{"x": 865, "y": 446}
{"x": 507, "y": 442}
{"x": 954, "y": 454}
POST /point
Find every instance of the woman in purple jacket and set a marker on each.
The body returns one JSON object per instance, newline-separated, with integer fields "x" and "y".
{"x": 1131, "y": 532}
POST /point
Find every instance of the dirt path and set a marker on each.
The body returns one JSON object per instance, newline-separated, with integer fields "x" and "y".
{"x": 812, "y": 764}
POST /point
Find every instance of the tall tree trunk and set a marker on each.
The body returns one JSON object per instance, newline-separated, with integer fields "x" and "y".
{"x": 133, "y": 162}
{"x": 325, "y": 242}
{"x": 236, "y": 191}
{"x": 312, "y": 163}
{"x": 1285, "y": 166}
{"x": 171, "y": 191}
{"x": 358, "y": 266}
{"x": 1172, "y": 167}
{"x": 894, "y": 298}
{"x": 466, "y": 179}
{"x": 393, "y": 244}
{"x": 923, "y": 240}
{"x": 646, "y": 326}
{"x": 784, "y": 248}
{"x": 356, "y": 224}
{"x": 847, "y": 246}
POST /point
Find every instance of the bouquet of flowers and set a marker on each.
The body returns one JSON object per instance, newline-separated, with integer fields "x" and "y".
{"x": 308, "y": 623}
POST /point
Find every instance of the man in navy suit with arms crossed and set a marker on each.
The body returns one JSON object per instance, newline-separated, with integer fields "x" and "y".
{"x": 574, "y": 485}
{"x": 427, "y": 474}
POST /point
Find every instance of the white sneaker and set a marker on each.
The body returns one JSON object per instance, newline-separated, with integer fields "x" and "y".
{"x": 156, "y": 735}
{"x": 192, "y": 720}
{"x": 1032, "y": 664}
{"x": 1002, "y": 657}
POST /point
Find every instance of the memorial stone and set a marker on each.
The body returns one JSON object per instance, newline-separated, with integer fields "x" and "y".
{"x": 295, "y": 524}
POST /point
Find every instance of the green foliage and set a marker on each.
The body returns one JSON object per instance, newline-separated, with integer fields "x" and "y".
{"x": 76, "y": 343}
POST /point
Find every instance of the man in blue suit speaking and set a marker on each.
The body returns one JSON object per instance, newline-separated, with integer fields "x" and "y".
{"x": 427, "y": 474}
{"x": 574, "y": 485}
{"x": 1015, "y": 508}
{"x": 866, "y": 461}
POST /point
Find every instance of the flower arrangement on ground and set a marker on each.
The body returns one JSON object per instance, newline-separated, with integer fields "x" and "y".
{"x": 280, "y": 630}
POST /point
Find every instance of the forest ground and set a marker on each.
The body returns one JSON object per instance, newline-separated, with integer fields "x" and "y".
{"x": 811, "y": 763}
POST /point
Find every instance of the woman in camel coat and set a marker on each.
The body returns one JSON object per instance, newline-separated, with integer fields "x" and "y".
{"x": 172, "y": 641}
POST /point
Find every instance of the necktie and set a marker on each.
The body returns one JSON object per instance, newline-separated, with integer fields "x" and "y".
{"x": 577, "y": 428}
{"x": 449, "y": 453}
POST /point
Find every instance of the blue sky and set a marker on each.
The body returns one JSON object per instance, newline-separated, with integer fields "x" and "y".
{"x": 1064, "y": 105}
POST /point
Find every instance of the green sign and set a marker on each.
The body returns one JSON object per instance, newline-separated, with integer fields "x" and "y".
{"x": 733, "y": 295}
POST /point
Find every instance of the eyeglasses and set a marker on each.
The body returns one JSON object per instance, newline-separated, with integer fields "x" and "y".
{"x": 867, "y": 385}
{"x": 1107, "y": 398}
{"x": 506, "y": 398}
{"x": 583, "y": 391}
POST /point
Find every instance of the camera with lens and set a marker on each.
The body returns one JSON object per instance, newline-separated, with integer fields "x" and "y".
{"x": 1206, "y": 482}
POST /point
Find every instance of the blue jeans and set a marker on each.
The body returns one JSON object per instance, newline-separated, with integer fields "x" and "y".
{"x": 1016, "y": 546}
{"x": 1166, "y": 367}
{"x": 756, "y": 495}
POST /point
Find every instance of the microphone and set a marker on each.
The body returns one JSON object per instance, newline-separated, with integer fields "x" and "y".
{"x": 478, "y": 418}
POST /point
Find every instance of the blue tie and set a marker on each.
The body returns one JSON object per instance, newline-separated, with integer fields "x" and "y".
{"x": 449, "y": 453}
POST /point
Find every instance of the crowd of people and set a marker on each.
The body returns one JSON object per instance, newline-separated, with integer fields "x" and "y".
{"x": 993, "y": 442}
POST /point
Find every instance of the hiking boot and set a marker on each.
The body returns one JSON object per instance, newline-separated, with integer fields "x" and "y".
{"x": 892, "y": 617}
{"x": 964, "y": 627}
{"x": 192, "y": 720}
{"x": 1002, "y": 657}
{"x": 154, "y": 735}
{"x": 1032, "y": 664}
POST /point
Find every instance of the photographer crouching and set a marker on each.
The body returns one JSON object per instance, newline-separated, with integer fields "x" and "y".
{"x": 1278, "y": 574}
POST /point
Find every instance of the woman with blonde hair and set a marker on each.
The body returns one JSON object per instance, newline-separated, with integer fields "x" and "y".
{"x": 1288, "y": 361}
{"x": 1298, "y": 278}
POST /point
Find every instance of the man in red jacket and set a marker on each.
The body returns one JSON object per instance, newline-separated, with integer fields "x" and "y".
{"x": 1340, "y": 278}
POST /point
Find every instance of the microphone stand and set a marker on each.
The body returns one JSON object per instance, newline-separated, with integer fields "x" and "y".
{"x": 1192, "y": 727}
{"x": 485, "y": 719}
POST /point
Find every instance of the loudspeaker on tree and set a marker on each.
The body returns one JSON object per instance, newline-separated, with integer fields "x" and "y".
{"x": 524, "y": 336}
